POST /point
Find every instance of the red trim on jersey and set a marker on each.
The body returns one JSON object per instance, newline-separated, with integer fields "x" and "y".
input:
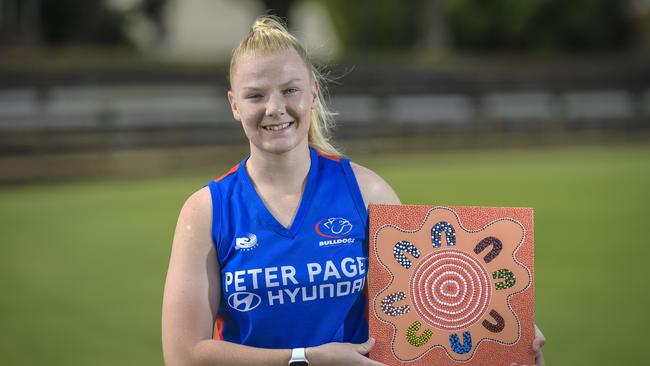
{"x": 331, "y": 157}
{"x": 218, "y": 329}
{"x": 231, "y": 171}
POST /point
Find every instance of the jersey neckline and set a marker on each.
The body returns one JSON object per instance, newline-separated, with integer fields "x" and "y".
{"x": 305, "y": 200}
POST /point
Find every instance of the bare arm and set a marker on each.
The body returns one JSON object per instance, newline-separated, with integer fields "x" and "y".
{"x": 192, "y": 292}
{"x": 191, "y": 298}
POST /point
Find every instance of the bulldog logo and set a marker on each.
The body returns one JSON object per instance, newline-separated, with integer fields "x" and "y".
{"x": 334, "y": 227}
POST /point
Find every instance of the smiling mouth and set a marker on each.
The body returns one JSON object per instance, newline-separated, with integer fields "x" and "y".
{"x": 278, "y": 127}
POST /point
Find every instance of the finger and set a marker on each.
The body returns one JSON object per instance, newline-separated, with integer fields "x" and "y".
{"x": 370, "y": 362}
{"x": 366, "y": 346}
{"x": 539, "y": 360}
{"x": 539, "y": 341}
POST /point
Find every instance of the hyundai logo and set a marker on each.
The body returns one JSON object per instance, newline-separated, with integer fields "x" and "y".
{"x": 244, "y": 301}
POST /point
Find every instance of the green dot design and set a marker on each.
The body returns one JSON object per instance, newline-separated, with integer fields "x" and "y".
{"x": 509, "y": 279}
{"x": 413, "y": 338}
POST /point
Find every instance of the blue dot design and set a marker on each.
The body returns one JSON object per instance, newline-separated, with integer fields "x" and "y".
{"x": 461, "y": 349}
{"x": 438, "y": 229}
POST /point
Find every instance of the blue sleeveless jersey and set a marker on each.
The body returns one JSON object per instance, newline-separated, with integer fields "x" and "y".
{"x": 292, "y": 287}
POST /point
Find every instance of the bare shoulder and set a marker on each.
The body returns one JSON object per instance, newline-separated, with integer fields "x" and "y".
{"x": 374, "y": 188}
{"x": 196, "y": 214}
{"x": 198, "y": 203}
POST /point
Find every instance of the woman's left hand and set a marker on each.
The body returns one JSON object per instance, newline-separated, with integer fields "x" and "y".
{"x": 538, "y": 343}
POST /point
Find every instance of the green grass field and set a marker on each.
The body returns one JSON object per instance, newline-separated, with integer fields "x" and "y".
{"x": 82, "y": 265}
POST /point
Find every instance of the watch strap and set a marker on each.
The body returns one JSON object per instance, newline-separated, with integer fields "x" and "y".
{"x": 298, "y": 357}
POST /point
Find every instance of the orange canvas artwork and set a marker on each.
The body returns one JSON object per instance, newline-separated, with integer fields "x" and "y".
{"x": 451, "y": 285}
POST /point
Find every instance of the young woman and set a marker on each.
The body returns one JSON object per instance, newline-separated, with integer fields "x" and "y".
{"x": 268, "y": 262}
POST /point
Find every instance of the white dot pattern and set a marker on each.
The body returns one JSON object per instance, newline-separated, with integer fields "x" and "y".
{"x": 450, "y": 290}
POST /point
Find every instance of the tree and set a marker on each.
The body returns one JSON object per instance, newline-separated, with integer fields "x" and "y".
{"x": 539, "y": 24}
{"x": 280, "y": 8}
{"x": 74, "y": 21}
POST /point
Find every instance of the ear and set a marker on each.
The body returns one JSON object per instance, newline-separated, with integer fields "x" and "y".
{"x": 314, "y": 94}
{"x": 233, "y": 106}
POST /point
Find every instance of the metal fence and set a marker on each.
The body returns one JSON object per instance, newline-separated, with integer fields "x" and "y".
{"x": 76, "y": 126}
{"x": 71, "y": 118}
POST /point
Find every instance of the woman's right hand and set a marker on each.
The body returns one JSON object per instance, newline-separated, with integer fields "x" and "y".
{"x": 342, "y": 354}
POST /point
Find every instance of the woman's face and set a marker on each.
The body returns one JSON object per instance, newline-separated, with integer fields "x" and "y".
{"x": 272, "y": 96}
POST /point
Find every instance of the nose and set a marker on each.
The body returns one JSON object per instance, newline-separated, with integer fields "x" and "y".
{"x": 275, "y": 106}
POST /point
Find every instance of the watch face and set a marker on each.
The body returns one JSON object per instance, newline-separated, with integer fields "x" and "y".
{"x": 298, "y": 363}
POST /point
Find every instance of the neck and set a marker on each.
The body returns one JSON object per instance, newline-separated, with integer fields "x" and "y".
{"x": 287, "y": 171}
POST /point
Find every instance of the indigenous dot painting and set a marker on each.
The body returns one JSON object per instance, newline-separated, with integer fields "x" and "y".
{"x": 445, "y": 290}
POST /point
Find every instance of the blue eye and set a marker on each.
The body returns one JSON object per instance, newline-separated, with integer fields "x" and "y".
{"x": 291, "y": 91}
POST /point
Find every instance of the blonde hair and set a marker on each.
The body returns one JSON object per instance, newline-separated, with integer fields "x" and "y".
{"x": 268, "y": 35}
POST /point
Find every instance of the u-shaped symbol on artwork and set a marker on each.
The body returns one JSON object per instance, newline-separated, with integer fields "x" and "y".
{"x": 417, "y": 340}
{"x": 492, "y": 327}
{"x": 509, "y": 279}
{"x": 496, "y": 248}
{"x": 459, "y": 348}
{"x": 405, "y": 246}
{"x": 389, "y": 309}
{"x": 438, "y": 229}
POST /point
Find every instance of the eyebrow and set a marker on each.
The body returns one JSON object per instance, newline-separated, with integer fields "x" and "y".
{"x": 253, "y": 88}
{"x": 292, "y": 81}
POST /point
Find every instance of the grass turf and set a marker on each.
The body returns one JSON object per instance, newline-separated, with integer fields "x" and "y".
{"x": 83, "y": 264}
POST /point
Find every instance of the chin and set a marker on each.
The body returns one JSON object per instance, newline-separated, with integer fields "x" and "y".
{"x": 280, "y": 147}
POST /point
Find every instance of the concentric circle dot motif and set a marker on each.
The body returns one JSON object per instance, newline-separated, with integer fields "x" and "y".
{"x": 450, "y": 290}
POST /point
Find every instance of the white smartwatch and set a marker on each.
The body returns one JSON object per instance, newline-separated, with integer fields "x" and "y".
{"x": 298, "y": 357}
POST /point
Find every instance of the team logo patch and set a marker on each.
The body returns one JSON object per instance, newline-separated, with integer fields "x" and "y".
{"x": 333, "y": 228}
{"x": 244, "y": 301}
{"x": 248, "y": 242}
